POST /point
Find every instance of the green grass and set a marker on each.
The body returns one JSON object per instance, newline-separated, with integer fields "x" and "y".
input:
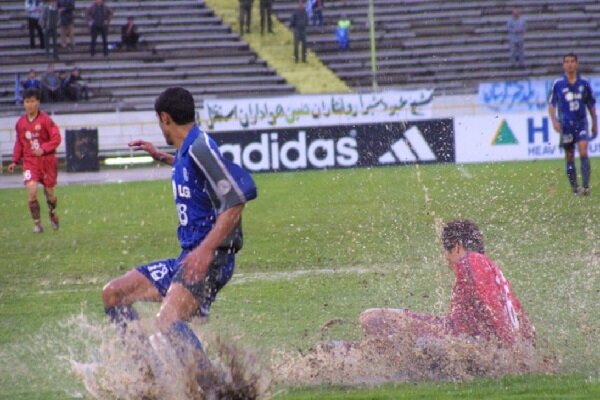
{"x": 375, "y": 227}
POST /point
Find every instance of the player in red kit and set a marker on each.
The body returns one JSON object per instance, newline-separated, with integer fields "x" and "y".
{"x": 483, "y": 303}
{"x": 37, "y": 140}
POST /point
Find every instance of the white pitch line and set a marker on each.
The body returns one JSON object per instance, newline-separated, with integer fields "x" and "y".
{"x": 289, "y": 275}
{"x": 243, "y": 278}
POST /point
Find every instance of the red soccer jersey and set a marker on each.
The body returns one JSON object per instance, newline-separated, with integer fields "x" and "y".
{"x": 41, "y": 132}
{"x": 483, "y": 302}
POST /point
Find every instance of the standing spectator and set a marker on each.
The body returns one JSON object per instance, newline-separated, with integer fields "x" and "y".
{"x": 129, "y": 35}
{"x": 75, "y": 87}
{"x": 49, "y": 21}
{"x": 266, "y": 7}
{"x": 51, "y": 85}
{"x": 317, "y": 12}
{"x": 37, "y": 140}
{"x": 571, "y": 96}
{"x": 67, "y": 19}
{"x": 98, "y": 16}
{"x": 32, "y": 81}
{"x": 516, "y": 29}
{"x": 245, "y": 15}
{"x": 33, "y": 9}
{"x": 299, "y": 22}
{"x": 342, "y": 32}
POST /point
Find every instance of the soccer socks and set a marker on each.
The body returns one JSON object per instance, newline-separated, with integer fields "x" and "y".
{"x": 121, "y": 315}
{"x": 585, "y": 171}
{"x": 34, "y": 209}
{"x": 52, "y": 206}
{"x": 572, "y": 174}
{"x": 184, "y": 339}
{"x": 52, "y": 213}
{"x": 182, "y": 333}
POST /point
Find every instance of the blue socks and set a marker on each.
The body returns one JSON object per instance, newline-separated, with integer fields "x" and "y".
{"x": 184, "y": 334}
{"x": 585, "y": 171}
{"x": 572, "y": 174}
{"x": 121, "y": 315}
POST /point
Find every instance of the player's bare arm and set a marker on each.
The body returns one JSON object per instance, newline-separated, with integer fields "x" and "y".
{"x": 592, "y": 110}
{"x": 196, "y": 263}
{"x": 552, "y": 113}
{"x": 11, "y": 167}
{"x": 149, "y": 148}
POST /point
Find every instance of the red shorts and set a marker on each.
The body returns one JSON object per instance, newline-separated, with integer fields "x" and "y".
{"x": 41, "y": 169}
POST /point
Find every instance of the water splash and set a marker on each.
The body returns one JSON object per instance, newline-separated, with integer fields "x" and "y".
{"x": 405, "y": 357}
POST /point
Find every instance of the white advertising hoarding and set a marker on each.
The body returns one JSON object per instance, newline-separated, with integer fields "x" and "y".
{"x": 509, "y": 137}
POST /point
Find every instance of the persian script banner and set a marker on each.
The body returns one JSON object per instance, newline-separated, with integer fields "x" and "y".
{"x": 315, "y": 110}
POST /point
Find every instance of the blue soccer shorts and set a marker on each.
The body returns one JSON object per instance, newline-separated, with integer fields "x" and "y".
{"x": 162, "y": 273}
{"x": 573, "y": 133}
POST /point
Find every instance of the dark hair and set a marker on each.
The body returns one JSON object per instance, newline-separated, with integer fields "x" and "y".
{"x": 464, "y": 232}
{"x": 570, "y": 55}
{"x": 178, "y": 103}
{"x": 32, "y": 93}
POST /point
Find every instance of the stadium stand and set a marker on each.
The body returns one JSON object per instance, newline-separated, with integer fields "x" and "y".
{"x": 449, "y": 46}
{"x": 182, "y": 43}
{"x": 452, "y": 45}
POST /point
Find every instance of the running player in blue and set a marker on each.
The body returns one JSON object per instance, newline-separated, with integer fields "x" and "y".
{"x": 571, "y": 95}
{"x": 210, "y": 193}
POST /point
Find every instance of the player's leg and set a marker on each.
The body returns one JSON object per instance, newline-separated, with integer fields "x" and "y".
{"x": 391, "y": 321}
{"x": 119, "y": 295}
{"x": 184, "y": 300}
{"x": 571, "y": 170}
{"x": 148, "y": 282}
{"x": 586, "y": 169}
{"x": 52, "y": 202}
{"x": 49, "y": 178}
{"x": 34, "y": 205}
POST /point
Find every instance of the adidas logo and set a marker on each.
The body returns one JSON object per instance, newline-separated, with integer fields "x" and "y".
{"x": 411, "y": 148}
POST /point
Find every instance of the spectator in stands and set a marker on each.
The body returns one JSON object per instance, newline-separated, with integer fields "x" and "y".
{"x": 32, "y": 81}
{"x": 516, "y": 28}
{"x": 299, "y": 22}
{"x": 129, "y": 35}
{"x": 342, "y": 32}
{"x": 67, "y": 19}
{"x": 51, "y": 85}
{"x": 49, "y": 21}
{"x": 317, "y": 12}
{"x": 98, "y": 15}
{"x": 75, "y": 87}
{"x": 245, "y": 15}
{"x": 266, "y": 7}
{"x": 33, "y": 9}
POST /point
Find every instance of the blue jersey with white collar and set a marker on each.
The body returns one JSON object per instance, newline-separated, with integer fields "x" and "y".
{"x": 571, "y": 100}
{"x": 204, "y": 185}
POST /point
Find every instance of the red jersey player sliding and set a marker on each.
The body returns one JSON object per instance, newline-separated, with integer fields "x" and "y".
{"x": 483, "y": 303}
{"x": 37, "y": 140}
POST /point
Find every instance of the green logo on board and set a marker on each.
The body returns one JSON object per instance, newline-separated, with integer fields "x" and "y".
{"x": 504, "y": 135}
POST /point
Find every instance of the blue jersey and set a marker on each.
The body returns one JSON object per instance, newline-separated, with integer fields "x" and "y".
{"x": 204, "y": 185}
{"x": 571, "y": 100}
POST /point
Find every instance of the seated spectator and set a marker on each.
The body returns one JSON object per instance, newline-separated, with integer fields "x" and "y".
{"x": 75, "y": 87}
{"x": 342, "y": 32}
{"x": 32, "y": 81}
{"x": 129, "y": 35}
{"x": 51, "y": 85}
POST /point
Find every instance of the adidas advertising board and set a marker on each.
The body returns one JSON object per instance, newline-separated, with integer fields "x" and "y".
{"x": 346, "y": 146}
{"x": 510, "y": 137}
